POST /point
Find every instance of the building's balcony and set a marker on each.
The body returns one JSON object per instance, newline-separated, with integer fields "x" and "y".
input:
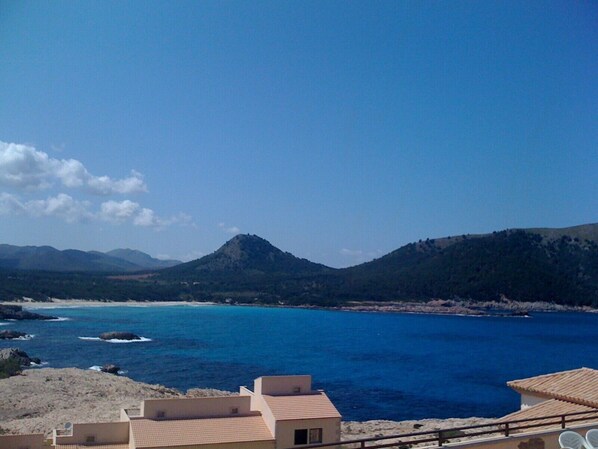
{"x": 534, "y": 433}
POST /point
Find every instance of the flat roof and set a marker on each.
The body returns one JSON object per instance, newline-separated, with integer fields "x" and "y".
{"x": 301, "y": 406}
{"x": 149, "y": 433}
{"x": 579, "y": 386}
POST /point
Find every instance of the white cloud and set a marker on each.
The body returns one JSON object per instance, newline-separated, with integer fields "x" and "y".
{"x": 118, "y": 211}
{"x": 351, "y": 252}
{"x": 191, "y": 256}
{"x": 28, "y": 170}
{"x": 67, "y": 208}
{"x": 359, "y": 256}
{"x": 24, "y": 167}
{"x": 229, "y": 229}
{"x": 61, "y": 206}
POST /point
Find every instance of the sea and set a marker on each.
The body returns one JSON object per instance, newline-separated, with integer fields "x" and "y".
{"x": 391, "y": 366}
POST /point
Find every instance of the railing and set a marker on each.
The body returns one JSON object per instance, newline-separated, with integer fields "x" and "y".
{"x": 439, "y": 437}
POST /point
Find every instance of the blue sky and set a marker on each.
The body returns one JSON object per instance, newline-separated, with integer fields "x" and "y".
{"x": 338, "y": 131}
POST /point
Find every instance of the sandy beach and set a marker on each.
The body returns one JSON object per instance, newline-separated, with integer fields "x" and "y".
{"x": 76, "y": 303}
{"x": 503, "y": 307}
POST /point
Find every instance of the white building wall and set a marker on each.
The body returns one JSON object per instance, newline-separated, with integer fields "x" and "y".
{"x": 22, "y": 441}
{"x": 529, "y": 400}
{"x": 282, "y": 385}
{"x": 285, "y": 430}
{"x": 195, "y": 407}
{"x": 102, "y": 433}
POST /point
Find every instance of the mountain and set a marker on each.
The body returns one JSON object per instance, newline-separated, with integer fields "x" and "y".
{"x": 580, "y": 232}
{"x": 557, "y": 265}
{"x": 47, "y": 258}
{"x": 521, "y": 264}
{"x": 142, "y": 259}
{"x": 246, "y": 256}
{"x": 249, "y": 268}
{"x": 51, "y": 259}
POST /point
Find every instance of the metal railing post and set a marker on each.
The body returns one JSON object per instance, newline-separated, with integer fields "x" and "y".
{"x": 562, "y": 421}
{"x": 506, "y": 429}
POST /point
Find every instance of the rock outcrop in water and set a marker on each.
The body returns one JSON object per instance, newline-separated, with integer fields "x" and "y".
{"x": 19, "y": 355}
{"x": 119, "y": 336}
{"x": 110, "y": 369}
{"x": 11, "y": 335}
{"x": 18, "y": 313}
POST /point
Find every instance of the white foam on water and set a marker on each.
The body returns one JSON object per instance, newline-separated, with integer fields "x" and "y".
{"x": 99, "y": 369}
{"x": 37, "y": 365}
{"x": 60, "y": 318}
{"x": 115, "y": 340}
{"x": 140, "y": 340}
{"x": 24, "y": 338}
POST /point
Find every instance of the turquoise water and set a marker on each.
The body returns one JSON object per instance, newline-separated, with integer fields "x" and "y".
{"x": 373, "y": 366}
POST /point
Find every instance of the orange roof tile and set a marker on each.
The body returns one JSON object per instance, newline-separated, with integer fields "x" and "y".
{"x": 551, "y": 407}
{"x": 188, "y": 432}
{"x": 302, "y": 406}
{"x": 579, "y": 386}
{"x": 95, "y": 446}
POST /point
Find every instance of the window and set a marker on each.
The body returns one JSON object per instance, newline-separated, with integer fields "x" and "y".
{"x": 234, "y": 410}
{"x": 300, "y": 436}
{"x": 303, "y": 436}
{"x": 296, "y": 389}
{"x": 160, "y": 414}
{"x": 90, "y": 439}
{"x": 315, "y": 435}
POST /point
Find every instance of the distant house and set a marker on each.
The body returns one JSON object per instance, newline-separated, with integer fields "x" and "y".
{"x": 281, "y": 412}
{"x": 556, "y": 394}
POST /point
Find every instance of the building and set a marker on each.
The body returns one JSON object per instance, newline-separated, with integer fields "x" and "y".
{"x": 284, "y": 412}
{"x": 562, "y": 393}
{"x": 281, "y": 412}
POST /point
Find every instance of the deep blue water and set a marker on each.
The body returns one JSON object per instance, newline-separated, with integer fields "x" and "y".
{"x": 373, "y": 366}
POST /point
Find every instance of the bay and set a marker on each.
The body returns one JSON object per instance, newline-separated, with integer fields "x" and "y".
{"x": 372, "y": 365}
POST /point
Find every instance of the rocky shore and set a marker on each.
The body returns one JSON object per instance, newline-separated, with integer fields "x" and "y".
{"x": 40, "y": 400}
{"x": 16, "y": 312}
{"x": 502, "y": 307}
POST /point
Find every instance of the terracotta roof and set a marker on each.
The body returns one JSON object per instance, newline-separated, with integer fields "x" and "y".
{"x": 90, "y": 446}
{"x": 189, "y": 432}
{"x": 579, "y": 386}
{"x": 550, "y": 407}
{"x": 302, "y": 406}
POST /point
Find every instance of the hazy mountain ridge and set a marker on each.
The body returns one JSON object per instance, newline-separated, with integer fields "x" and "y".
{"x": 47, "y": 258}
{"x": 519, "y": 264}
{"x": 142, "y": 259}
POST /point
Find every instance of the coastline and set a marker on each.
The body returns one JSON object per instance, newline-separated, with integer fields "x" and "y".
{"x": 57, "y": 303}
{"x": 501, "y": 308}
